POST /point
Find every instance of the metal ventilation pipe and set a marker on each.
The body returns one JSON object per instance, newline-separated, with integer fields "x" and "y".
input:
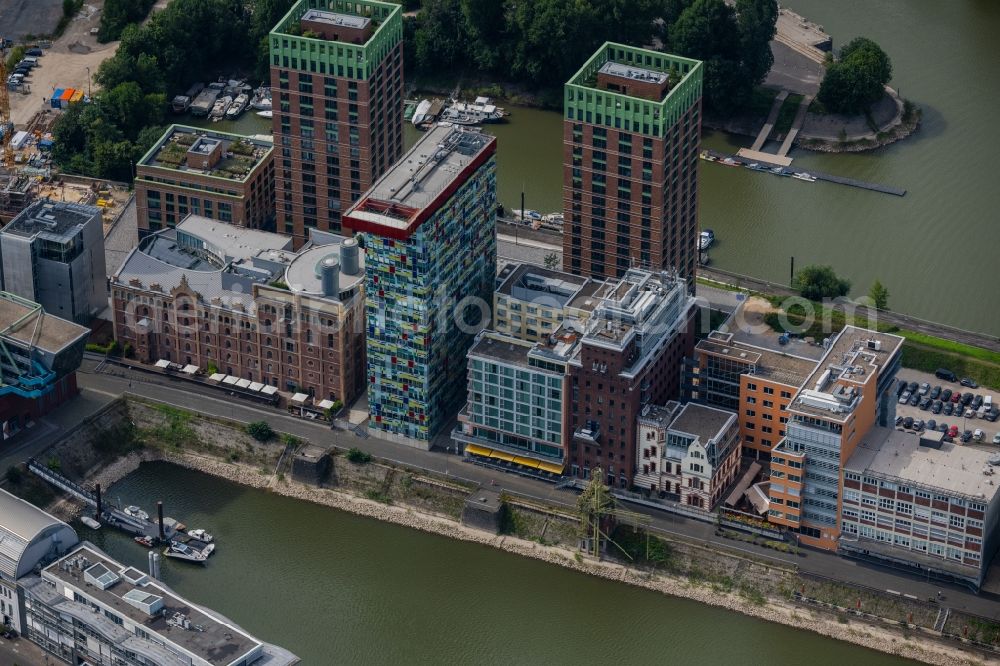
{"x": 350, "y": 263}
{"x": 330, "y": 275}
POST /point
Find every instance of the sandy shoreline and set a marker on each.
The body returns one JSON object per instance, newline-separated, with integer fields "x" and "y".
{"x": 912, "y": 644}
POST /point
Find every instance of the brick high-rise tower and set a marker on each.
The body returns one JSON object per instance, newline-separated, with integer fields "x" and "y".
{"x": 631, "y": 133}
{"x": 337, "y": 88}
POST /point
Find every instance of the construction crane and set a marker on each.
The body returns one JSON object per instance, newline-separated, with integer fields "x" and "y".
{"x": 6, "y": 124}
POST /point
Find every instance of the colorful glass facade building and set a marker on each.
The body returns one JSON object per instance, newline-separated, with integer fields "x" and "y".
{"x": 429, "y": 229}
{"x": 337, "y": 91}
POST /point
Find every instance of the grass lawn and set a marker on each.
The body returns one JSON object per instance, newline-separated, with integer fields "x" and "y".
{"x": 761, "y": 102}
{"x": 787, "y": 113}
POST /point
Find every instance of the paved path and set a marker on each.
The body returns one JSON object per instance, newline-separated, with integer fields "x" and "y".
{"x": 800, "y": 118}
{"x": 210, "y": 401}
{"x": 772, "y": 118}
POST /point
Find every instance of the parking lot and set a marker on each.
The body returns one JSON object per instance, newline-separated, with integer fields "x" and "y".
{"x": 962, "y": 422}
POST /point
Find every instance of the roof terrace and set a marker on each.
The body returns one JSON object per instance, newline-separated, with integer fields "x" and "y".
{"x": 634, "y": 89}
{"x": 206, "y": 153}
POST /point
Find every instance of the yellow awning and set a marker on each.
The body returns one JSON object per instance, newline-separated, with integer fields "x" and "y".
{"x": 527, "y": 462}
{"x": 500, "y": 455}
{"x": 550, "y": 467}
{"x": 477, "y": 450}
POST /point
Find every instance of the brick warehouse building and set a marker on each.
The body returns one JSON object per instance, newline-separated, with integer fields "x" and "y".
{"x": 242, "y": 300}
{"x": 631, "y": 133}
{"x": 190, "y": 170}
{"x": 337, "y": 84}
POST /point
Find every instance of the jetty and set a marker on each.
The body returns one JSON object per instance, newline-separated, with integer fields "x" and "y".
{"x": 164, "y": 529}
{"x": 763, "y": 158}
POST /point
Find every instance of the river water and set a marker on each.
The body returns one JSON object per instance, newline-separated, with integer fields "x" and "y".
{"x": 336, "y": 588}
{"x": 937, "y": 249}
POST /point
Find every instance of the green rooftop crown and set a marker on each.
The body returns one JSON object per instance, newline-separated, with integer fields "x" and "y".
{"x": 356, "y": 61}
{"x": 584, "y": 102}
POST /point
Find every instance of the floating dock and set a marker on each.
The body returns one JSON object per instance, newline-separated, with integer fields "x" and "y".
{"x": 830, "y": 178}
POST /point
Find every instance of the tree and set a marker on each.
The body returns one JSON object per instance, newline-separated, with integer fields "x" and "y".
{"x": 819, "y": 282}
{"x": 707, "y": 30}
{"x": 119, "y": 13}
{"x": 595, "y": 504}
{"x": 757, "y": 22}
{"x": 858, "y": 79}
{"x": 260, "y": 430}
{"x": 879, "y": 295}
{"x": 552, "y": 261}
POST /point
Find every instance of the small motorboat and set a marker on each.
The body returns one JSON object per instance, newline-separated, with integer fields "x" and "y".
{"x": 268, "y": 113}
{"x": 729, "y": 161}
{"x": 201, "y": 535}
{"x": 135, "y": 512}
{"x": 144, "y": 540}
{"x": 238, "y": 106}
{"x": 705, "y": 239}
{"x": 90, "y": 522}
{"x": 182, "y": 551}
{"x": 802, "y": 175}
{"x": 705, "y": 155}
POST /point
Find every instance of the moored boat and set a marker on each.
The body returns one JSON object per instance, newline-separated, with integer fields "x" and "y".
{"x": 201, "y": 535}
{"x": 705, "y": 239}
{"x": 135, "y": 512}
{"x": 707, "y": 156}
{"x": 90, "y": 522}
{"x": 182, "y": 551}
{"x": 729, "y": 161}
{"x": 144, "y": 540}
{"x": 482, "y": 110}
{"x": 220, "y": 107}
{"x": 238, "y": 106}
{"x": 266, "y": 113}
{"x": 261, "y": 99}
{"x": 802, "y": 175}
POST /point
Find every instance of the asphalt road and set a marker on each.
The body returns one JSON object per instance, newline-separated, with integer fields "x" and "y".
{"x": 213, "y": 401}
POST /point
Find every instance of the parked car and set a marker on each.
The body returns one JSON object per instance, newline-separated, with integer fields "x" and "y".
{"x": 996, "y": 438}
{"x": 924, "y": 389}
{"x": 937, "y": 407}
{"x": 905, "y": 398}
{"x": 946, "y": 395}
{"x": 970, "y": 413}
{"x": 914, "y": 400}
{"x": 945, "y": 374}
{"x": 935, "y": 393}
{"x": 908, "y": 422}
{"x": 967, "y": 398}
{"x": 901, "y": 387}
{"x": 912, "y": 387}
{"x": 918, "y": 425}
{"x": 992, "y": 415}
{"x": 34, "y": 52}
{"x": 956, "y": 397}
{"x": 925, "y": 404}
{"x": 978, "y": 435}
{"x": 968, "y": 382}
{"x": 899, "y": 420}
{"x": 932, "y": 424}
{"x": 977, "y": 401}
{"x": 953, "y": 431}
{"x": 949, "y": 408}
{"x": 966, "y": 437}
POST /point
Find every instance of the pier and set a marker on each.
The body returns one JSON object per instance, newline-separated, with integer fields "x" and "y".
{"x": 830, "y": 178}
{"x": 166, "y": 528}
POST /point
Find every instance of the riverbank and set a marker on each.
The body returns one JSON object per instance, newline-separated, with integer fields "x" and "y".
{"x": 719, "y": 577}
{"x": 902, "y": 643}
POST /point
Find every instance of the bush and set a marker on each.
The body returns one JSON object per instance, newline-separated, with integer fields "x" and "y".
{"x": 357, "y": 456}
{"x": 211, "y": 368}
{"x": 54, "y": 464}
{"x": 819, "y": 282}
{"x": 260, "y": 430}
{"x": 14, "y": 474}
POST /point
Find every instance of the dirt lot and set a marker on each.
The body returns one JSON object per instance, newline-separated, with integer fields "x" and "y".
{"x": 65, "y": 64}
